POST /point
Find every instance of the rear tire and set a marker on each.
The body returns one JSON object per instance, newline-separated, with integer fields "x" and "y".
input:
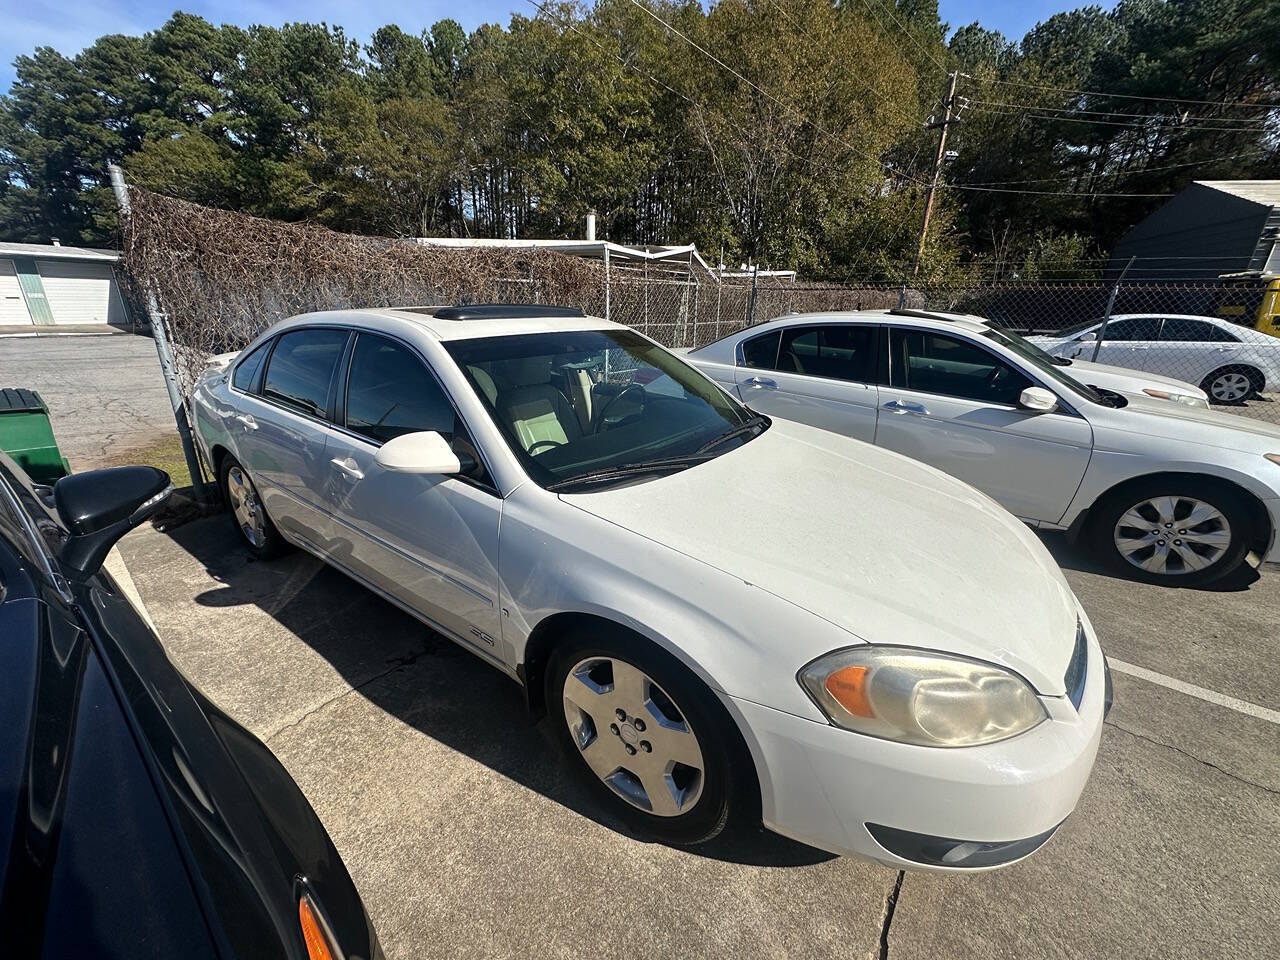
{"x": 1233, "y": 385}
{"x": 248, "y": 515}
{"x": 1179, "y": 532}
{"x": 648, "y": 738}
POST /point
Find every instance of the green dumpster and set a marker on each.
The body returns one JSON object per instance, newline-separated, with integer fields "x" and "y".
{"x": 25, "y": 434}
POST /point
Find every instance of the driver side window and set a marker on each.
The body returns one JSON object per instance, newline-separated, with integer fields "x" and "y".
{"x": 937, "y": 363}
{"x": 390, "y": 392}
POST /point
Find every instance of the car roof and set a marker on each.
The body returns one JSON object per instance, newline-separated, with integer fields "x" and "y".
{"x": 461, "y": 323}
{"x": 898, "y": 317}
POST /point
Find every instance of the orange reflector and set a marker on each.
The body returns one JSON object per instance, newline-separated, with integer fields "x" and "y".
{"x": 318, "y": 946}
{"x": 849, "y": 686}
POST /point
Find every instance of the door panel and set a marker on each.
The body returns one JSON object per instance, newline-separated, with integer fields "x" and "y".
{"x": 429, "y": 541}
{"x": 823, "y": 376}
{"x": 1032, "y": 463}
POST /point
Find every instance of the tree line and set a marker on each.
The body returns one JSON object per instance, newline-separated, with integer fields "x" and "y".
{"x": 791, "y": 133}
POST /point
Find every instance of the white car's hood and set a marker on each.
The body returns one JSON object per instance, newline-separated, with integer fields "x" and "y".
{"x": 1231, "y": 431}
{"x": 1128, "y": 381}
{"x": 886, "y": 548}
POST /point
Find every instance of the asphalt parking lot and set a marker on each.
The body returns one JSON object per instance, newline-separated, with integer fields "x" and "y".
{"x": 467, "y": 839}
{"x": 105, "y": 393}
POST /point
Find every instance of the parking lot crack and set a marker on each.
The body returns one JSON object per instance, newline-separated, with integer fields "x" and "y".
{"x": 397, "y": 663}
{"x": 890, "y": 905}
{"x": 1192, "y": 756}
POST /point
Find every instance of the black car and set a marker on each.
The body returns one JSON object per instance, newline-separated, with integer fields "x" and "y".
{"x": 136, "y": 819}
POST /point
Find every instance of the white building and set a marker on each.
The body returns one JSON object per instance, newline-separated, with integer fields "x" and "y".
{"x": 49, "y": 284}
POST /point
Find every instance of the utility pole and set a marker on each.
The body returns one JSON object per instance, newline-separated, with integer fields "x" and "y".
{"x": 948, "y": 103}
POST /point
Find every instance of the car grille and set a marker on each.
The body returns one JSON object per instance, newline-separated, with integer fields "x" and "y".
{"x": 1074, "y": 678}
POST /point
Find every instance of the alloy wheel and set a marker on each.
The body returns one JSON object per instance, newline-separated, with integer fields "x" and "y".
{"x": 1230, "y": 387}
{"x": 245, "y": 506}
{"x": 1172, "y": 535}
{"x": 633, "y": 736}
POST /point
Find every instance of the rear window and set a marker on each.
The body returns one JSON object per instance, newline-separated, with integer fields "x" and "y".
{"x": 246, "y": 374}
{"x": 301, "y": 368}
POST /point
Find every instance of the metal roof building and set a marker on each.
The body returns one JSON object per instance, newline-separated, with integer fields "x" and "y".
{"x": 1210, "y": 229}
{"x": 49, "y": 284}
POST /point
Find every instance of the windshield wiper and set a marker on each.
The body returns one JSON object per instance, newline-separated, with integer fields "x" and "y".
{"x": 756, "y": 421}
{"x": 1061, "y": 361}
{"x": 621, "y": 472}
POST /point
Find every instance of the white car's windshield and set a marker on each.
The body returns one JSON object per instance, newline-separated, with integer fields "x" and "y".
{"x": 1042, "y": 361}
{"x": 586, "y": 408}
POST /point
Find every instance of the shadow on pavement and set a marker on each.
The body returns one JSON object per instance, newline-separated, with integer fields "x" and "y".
{"x": 426, "y": 680}
{"x": 1074, "y": 556}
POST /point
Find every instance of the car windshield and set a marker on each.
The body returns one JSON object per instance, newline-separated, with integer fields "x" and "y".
{"x": 1041, "y": 360}
{"x": 583, "y": 409}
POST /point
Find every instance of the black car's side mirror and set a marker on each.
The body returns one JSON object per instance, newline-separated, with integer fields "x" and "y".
{"x": 101, "y": 506}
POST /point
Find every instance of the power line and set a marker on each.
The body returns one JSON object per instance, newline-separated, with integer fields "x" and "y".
{"x": 1114, "y": 113}
{"x": 866, "y": 84}
{"x": 786, "y": 106}
{"x": 907, "y": 33}
{"x": 1134, "y": 96}
{"x": 1048, "y": 193}
{"x": 1126, "y": 173}
{"x": 1115, "y": 123}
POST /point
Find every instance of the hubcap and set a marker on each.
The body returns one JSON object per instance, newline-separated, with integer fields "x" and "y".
{"x": 633, "y": 736}
{"x": 245, "y": 506}
{"x": 1229, "y": 387}
{"x": 1172, "y": 535}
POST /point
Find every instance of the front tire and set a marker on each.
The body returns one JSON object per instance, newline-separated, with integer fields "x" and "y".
{"x": 249, "y": 516}
{"x": 1232, "y": 385}
{"x": 646, "y": 735}
{"x": 1176, "y": 532}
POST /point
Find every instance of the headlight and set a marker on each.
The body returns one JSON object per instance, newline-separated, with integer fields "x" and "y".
{"x": 914, "y": 696}
{"x": 1273, "y": 457}
{"x": 1183, "y": 398}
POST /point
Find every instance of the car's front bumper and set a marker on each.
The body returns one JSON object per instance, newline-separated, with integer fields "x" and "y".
{"x": 966, "y": 808}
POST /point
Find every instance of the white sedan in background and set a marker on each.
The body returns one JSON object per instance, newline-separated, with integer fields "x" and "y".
{"x": 717, "y": 611}
{"x": 1230, "y": 362}
{"x": 1166, "y": 492}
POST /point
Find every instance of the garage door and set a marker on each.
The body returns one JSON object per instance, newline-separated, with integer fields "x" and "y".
{"x": 13, "y": 308}
{"x": 77, "y": 292}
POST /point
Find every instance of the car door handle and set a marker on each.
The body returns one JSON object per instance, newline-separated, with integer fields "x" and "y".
{"x": 760, "y": 383}
{"x": 248, "y": 421}
{"x": 899, "y": 406}
{"x": 347, "y": 467}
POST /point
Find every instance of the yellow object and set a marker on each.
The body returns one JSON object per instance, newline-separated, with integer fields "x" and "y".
{"x": 849, "y": 687}
{"x": 1268, "y": 318}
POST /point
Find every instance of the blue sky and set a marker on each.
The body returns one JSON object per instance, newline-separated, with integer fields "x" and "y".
{"x": 69, "y": 27}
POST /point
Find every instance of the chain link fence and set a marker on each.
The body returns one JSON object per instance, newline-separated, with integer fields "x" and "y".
{"x": 219, "y": 278}
{"x": 1217, "y": 335}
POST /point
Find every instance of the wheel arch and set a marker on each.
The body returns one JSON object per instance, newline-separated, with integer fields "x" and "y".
{"x": 554, "y": 628}
{"x": 1261, "y": 519}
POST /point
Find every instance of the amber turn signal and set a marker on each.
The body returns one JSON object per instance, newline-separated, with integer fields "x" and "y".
{"x": 849, "y": 687}
{"x": 319, "y": 944}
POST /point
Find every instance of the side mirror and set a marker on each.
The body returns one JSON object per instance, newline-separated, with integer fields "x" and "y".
{"x": 423, "y": 452}
{"x": 101, "y": 506}
{"x": 1038, "y": 399}
{"x": 1087, "y": 337}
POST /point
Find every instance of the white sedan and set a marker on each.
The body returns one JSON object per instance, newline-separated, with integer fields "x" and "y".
{"x": 1166, "y": 492}
{"x": 1231, "y": 363}
{"x": 719, "y": 613}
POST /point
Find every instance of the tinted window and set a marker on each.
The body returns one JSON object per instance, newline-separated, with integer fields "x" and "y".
{"x": 1133, "y": 328}
{"x": 247, "y": 370}
{"x": 1221, "y": 335}
{"x": 301, "y": 367}
{"x": 390, "y": 392}
{"x": 761, "y": 351}
{"x": 935, "y": 363}
{"x": 1180, "y": 328}
{"x": 841, "y": 352}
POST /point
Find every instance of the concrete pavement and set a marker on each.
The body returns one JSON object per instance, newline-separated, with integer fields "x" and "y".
{"x": 467, "y": 838}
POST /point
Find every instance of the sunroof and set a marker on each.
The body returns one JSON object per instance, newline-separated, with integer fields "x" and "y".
{"x": 497, "y": 311}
